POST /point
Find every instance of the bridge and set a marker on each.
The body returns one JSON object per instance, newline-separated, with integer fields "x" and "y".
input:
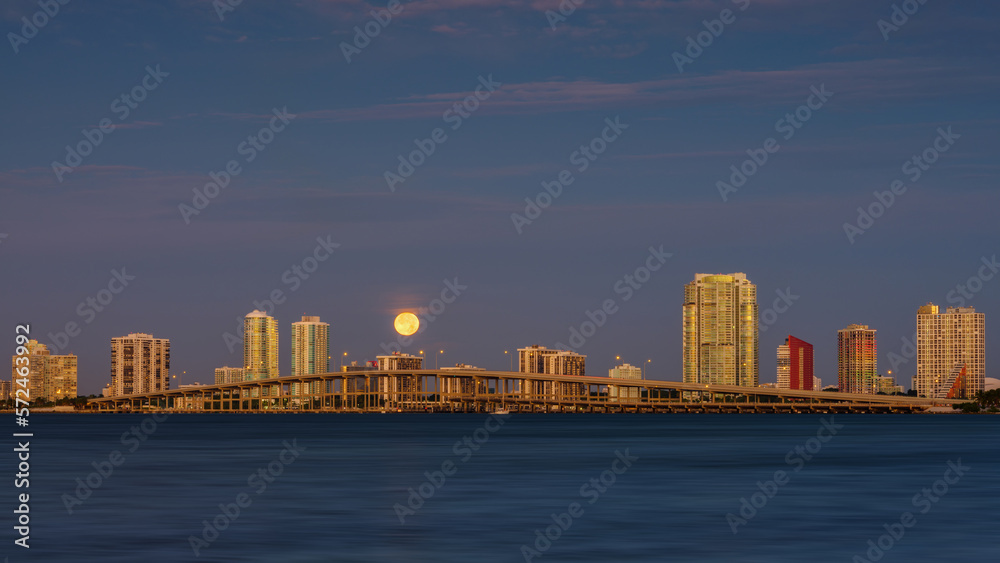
{"x": 461, "y": 390}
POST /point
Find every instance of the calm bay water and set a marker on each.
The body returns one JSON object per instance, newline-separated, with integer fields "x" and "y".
{"x": 335, "y": 499}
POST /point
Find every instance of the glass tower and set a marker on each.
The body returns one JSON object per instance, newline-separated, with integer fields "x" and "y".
{"x": 720, "y": 330}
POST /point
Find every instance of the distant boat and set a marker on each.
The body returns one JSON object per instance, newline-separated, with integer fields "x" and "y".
{"x": 501, "y": 410}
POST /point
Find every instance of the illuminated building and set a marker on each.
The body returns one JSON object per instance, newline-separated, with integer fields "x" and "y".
{"x": 139, "y": 364}
{"x": 795, "y": 365}
{"x": 720, "y": 330}
{"x": 49, "y": 377}
{"x": 857, "y": 359}
{"x": 310, "y": 346}
{"x": 260, "y": 346}
{"x": 227, "y": 374}
{"x": 951, "y": 352}
{"x": 549, "y": 361}
{"x": 624, "y": 371}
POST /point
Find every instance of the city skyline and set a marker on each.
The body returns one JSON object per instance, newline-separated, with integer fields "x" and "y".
{"x": 851, "y": 220}
{"x": 313, "y": 334}
{"x": 403, "y": 271}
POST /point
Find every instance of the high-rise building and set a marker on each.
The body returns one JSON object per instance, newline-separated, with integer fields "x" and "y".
{"x": 857, "y": 359}
{"x": 784, "y": 367}
{"x": 532, "y": 358}
{"x": 398, "y": 361}
{"x": 50, "y": 377}
{"x": 550, "y": 361}
{"x": 227, "y": 374}
{"x": 35, "y": 361}
{"x": 5, "y": 390}
{"x": 951, "y": 352}
{"x": 564, "y": 362}
{"x": 795, "y": 365}
{"x": 139, "y": 364}
{"x": 260, "y": 346}
{"x": 310, "y": 346}
{"x": 62, "y": 373}
{"x": 539, "y": 359}
{"x": 720, "y": 330}
{"x": 624, "y": 371}
{"x": 396, "y": 387}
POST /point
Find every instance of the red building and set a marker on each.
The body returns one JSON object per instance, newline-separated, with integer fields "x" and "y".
{"x": 801, "y": 364}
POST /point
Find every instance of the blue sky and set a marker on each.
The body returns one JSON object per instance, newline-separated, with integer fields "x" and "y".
{"x": 323, "y": 174}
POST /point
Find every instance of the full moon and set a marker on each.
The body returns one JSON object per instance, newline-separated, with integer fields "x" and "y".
{"x": 407, "y": 324}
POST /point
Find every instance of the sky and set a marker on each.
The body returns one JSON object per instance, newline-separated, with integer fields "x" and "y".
{"x": 121, "y": 119}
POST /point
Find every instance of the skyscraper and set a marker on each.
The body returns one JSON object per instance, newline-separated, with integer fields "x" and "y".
{"x": 260, "y": 346}
{"x": 795, "y": 365}
{"x": 49, "y": 377}
{"x": 139, "y": 364}
{"x": 857, "y": 359}
{"x": 720, "y": 330}
{"x": 310, "y": 346}
{"x": 951, "y": 352}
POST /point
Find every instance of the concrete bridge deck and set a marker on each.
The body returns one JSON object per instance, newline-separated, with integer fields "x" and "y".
{"x": 454, "y": 390}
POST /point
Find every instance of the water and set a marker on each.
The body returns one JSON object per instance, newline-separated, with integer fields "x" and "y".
{"x": 335, "y": 500}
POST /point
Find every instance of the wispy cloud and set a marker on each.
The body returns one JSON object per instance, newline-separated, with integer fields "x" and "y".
{"x": 868, "y": 82}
